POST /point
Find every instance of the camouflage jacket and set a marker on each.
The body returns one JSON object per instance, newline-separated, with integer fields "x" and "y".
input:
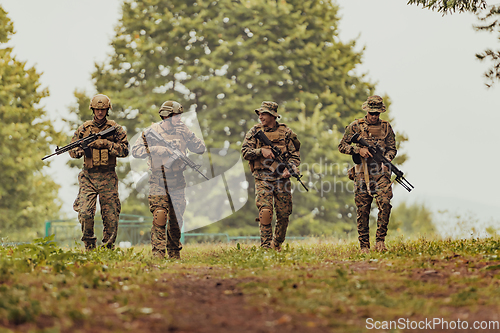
{"x": 380, "y": 133}
{"x": 101, "y": 157}
{"x": 180, "y": 134}
{"x": 252, "y": 151}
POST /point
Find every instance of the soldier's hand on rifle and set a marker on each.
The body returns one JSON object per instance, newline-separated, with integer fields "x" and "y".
{"x": 77, "y": 152}
{"x": 286, "y": 174}
{"x": 267, "y": 153}
{"x": 100, "y": 144}
{"x": 365, "y": 153}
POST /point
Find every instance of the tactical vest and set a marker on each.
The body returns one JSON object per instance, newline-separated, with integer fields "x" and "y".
{"x": 373, "y": 134}
{"x": 277, "y": 138}
{"x": 100, "y": 157}
{"x": 178, "y": 140}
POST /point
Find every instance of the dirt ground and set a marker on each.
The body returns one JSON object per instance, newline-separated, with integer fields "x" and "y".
{"x": 199, "y": 302}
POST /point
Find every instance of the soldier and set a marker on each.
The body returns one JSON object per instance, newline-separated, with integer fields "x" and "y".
{"x": 98, "y": 176}
{"x": 272, "y": 184}
{"x": 166, "y": 184}
{"x": 371, "y": 179}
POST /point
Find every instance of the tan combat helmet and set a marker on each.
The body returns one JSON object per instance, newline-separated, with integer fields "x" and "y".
{"x": 170, "y": 107}
{"x": 100, "y": 101}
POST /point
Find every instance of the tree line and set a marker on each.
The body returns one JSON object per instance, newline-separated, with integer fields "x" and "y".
{"x": 220, "y": 59}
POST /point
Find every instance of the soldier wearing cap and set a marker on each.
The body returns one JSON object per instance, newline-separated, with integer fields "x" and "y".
{"x": 272, "y": 185}
{"x": 98, "y": 177}
{"x": 371, "y": 179}
{"x": 167, "y": 200}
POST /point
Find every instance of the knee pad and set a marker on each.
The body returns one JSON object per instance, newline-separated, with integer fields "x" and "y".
{"x": 160, "y": 217}
{"x": 265, "y": 216}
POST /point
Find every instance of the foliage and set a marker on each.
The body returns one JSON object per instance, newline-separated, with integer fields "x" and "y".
{"x": 450, "y": 6}
{"x": 412, "y": 220}
{"x": 27, "y": 195}
{"x": 54, "y": 289}
{"x": 489, "y": 22}
{"x": 222, "y": 59}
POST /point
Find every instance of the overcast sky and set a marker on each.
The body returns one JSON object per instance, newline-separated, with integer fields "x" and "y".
{"x": 423, "y": 61}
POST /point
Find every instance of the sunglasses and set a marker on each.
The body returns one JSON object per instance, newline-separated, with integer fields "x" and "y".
{"x": 374, "y": 113}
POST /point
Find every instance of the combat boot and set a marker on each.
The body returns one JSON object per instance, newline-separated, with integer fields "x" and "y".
{"x": 275, "y": 246}
{"x": 365, "y": 250}
{"x": 380, "y": 246}
{"x": 89, "y": 246}
{"x": 159, "y": 254}
{"x": 174, "y": 254}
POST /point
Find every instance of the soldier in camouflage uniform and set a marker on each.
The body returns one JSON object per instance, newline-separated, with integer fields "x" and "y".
{"x": 98, "y": 177}
{"x": 167, "y": 184}
{"x": 371, "y": 179}
{"x": 272, "y": 182}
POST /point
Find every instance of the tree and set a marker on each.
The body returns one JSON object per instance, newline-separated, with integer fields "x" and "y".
{"x": 490, "y": 23}
{"x": 222, "y": 59}
{"x": 412, "y": 220}
{"x": 451, "y": 6}
{"x": 28, "y": 196}
{"x": 487, "y": 16}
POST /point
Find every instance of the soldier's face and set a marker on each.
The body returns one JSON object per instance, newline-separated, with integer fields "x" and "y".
{"x": 100, "y": 114}
{"x": 372, "y": 117}
{"x": 266, "y": 119}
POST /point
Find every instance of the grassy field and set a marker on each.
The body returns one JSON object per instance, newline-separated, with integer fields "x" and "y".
{"x": 311, "y": 286}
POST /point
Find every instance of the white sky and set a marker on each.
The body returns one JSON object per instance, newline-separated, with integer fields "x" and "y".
{"x": 423, "y": 61}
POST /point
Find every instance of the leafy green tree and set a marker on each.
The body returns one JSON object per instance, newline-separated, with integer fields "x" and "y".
{"x": 488, "y": 21}
{"x": 412, "y": 220}
{"x": 28, "y": 196}
{"x": 222, "y": 59}
{"x": 450, "y": 6}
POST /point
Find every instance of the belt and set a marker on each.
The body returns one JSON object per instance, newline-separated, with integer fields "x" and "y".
{"x": 100, "y": 169}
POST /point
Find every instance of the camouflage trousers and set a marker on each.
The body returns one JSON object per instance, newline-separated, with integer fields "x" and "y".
{"x": 381, "y": 185}
{"x": 92, "y": 185}
{"x": 167, "y": 237}
{"x": 277, "y": 194}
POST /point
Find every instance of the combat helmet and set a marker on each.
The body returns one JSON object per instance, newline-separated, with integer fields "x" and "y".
{"x": 170, "y": 107}
{"x": 100, "y": 101}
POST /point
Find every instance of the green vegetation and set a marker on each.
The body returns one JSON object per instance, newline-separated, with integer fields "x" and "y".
{"x": 222, "y": 59}
{"x": 28, "y": 196}
{"x": 328, "y": 285}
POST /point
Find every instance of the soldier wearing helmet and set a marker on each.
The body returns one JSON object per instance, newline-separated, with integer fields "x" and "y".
{"x": 98, "y": 177}
{"x": 272, "y": 184}
{"x": 371, "y": 179}
{"x": 167, "y": 201}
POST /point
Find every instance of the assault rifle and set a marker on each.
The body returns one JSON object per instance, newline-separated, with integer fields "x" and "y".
{"x": 176, "y": 154}
{"x": 84, "y": 143}
{"x": 280, "y": 157}
{"x": 378, "y": 155}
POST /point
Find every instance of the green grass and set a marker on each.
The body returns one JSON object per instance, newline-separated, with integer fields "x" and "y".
{"x": 44, "y": 287}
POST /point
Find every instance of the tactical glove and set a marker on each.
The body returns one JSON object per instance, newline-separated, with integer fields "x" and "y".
{"x": 100, "y": 144}
{"x": 76, "y": 152}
